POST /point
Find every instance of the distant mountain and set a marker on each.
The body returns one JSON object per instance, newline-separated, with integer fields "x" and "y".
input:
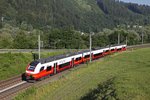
{"x": 140, "y": 2}
{"x": 83, "y": 15}
{"x": 125, "y": 13}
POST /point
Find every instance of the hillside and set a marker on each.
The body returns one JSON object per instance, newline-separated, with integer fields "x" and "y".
{"x": 83, "y": 15}
{"x": 52, "y": 13}
{"x": 61, "y": 23}
{"x": 121, "y": 13}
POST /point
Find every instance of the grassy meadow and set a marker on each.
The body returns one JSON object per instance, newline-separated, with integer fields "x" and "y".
{"x": 121, "y": 76}
{"x": 13, "y": 64}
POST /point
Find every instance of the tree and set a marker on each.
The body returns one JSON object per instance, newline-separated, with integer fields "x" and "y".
{"x": 6, "y": 40}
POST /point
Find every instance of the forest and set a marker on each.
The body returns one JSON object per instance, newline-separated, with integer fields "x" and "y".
{"x": 68, "y": 23}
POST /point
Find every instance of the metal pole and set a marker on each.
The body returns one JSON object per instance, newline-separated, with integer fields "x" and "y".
{"x": 39, "y": 45}
{"x": 142, "y": 38}
{"x": 2, "y": 19}
{"x": 118, "y": 38}
{"x": 126, "y": 40}
{"x": 142, "y": 33}
{"x": 90, "y": 47}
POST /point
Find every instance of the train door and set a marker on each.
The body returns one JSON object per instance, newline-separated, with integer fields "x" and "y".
{"x": 72, "y": 62}
{"x": 55, "y": 68}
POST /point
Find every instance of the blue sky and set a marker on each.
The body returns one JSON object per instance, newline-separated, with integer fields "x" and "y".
{"x": 147, "y": 2}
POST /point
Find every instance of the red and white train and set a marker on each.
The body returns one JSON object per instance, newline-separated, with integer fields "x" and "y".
{"x": 42, "y": 68}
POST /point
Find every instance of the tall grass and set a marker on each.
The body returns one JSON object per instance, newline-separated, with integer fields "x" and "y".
{"x": 124, "y": 76}
{"x": 12, "y": 64}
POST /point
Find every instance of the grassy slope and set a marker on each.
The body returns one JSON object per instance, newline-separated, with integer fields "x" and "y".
{"x": 123, "y": 76}
{"x": 15, "y": 63}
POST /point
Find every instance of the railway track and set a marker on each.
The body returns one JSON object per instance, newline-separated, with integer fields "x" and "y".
{"x": 9, "y": 82}
{"x": 9, "y": 92}
{"x": 138, "y": 46}
{"x": 9, "y": 88}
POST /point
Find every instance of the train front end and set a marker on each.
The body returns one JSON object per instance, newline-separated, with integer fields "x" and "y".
{"x": 31, "y": 71}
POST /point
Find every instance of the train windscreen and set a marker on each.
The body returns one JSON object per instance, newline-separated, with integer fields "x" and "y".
{"x": 33, "y": 65}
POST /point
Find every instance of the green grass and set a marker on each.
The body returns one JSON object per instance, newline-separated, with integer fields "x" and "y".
{"x": 122, "y": 76}
{"x": 12, "y": 64}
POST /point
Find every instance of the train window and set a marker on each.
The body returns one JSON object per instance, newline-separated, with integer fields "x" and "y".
{"x": 49, "y": 68}
{"x": 118, "y": 49}
{"x": 42, "y": 68}
{"x": 64, "y": 65}
{"x": 86, "y": 56}
{"x": 98, "y": 54}
{"x": 112, "y": 49}
{"x": 106, "y": 50}
{"x": 77, "y": 59}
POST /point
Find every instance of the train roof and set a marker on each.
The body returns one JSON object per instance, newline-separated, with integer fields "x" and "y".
{"x": 117, "y": 45}
{"x": 53, "y": 58}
